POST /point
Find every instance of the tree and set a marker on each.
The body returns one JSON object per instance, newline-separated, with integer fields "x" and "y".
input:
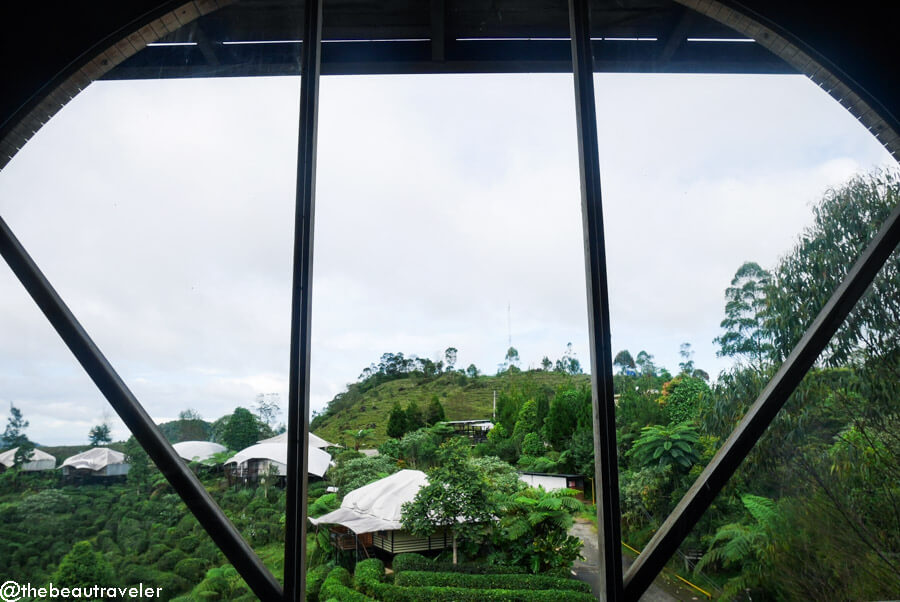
{"x": 82, "y": 567}
{"x": 682, "y": 397}
{"x": 546, "y": 364}
{"x": 358, "y": 436}
{"x": 434, "y": 412}
{"x": 534, "y": 529}
{"x": 625, "y": 363}
{"x": 396, "y": 426}
{"x": 414, "y": 417}
{"x": 268, "y": 407}
{"x": 472, "y": 371}
{"x": 644, "y": 363}
{"x": 844, "y": 223}
{"x": 456, "y": 496}
{"x": 666, "y": 446}
{"x": 450, "y": 357}
{"x": 568, "y": 363}
{"x": 562, "y": 419}
{"x": 241, "y": 431}
{"x": 189, "y": 414}
{"x": 527, "y": 421}
{"x": 100, "y": 435}
{"x": 512, "y": 358}
{"x": 687, "y": 363}
{"x": 746, "y": 335}
{"x": 14, "y": 435}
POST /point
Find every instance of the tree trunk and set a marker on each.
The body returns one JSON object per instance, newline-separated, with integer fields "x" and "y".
{"x": 454, "y": 548}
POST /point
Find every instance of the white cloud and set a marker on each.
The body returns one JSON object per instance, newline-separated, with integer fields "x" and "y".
{"x": 163, "y": 211}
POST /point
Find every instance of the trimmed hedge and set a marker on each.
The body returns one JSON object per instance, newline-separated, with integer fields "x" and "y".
{"x": 367, "y": 571}
{"x": 314, "y": 579}
{"x": 336, "y": 585}
{"x": 530, "y": 582}
{"x": 396, "y": 593}
{"x": 416, "y": 562}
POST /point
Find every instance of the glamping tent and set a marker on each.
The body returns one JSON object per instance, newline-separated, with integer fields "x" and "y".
{"x": 198, "y": 451}
{"x": 96, "y": 462}
{"x": 314, "y": 441}
{"x": 370, "y": 516}
{"x": 258, "y": 460}
{"x": 40, "y": 460}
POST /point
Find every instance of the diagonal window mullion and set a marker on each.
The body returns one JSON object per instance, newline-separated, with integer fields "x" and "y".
{"x": 183, "y": 481}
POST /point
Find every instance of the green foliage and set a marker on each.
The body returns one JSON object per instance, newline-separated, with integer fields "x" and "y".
{"x": 532, "y": 445}
{"x": 500, "y": 476}
{"x": 533, "y": 529}
{"x": 456, "y": 491}
{"x": 682, "y": 397}
{"x": 414, "y": 417}
{"x": 241, "y": 431}
{"x": 82, "y": 567}
{"x": 624, "y": 362}
{"x": 314, "y": 579}
{"x": 324, "y": 505}
{"x": 746, "y": 335}
{"x": 396, "y": 426}
{"x": 360, "y": 471}
{"x": 666, "y": 446}
{"x": 99, "y": 435}
{"x": 337, "y": 586}
{"x": 434, "y": 413}
{"x": 417, "y": 562}
{"x": 485, "y": 582}
{"x": 14, "y": 434}
{"x": 527, "y": 420}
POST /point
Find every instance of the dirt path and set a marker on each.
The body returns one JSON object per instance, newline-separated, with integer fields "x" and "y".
{"x": 587, "y": 570}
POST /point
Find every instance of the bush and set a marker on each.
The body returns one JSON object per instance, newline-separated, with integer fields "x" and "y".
{"x": 192, "y": 569}
{"x": 314, "y": 580}
{"x": 519, "y": 582}
{"x": 336, "y": 585}
{"x": 395, "y": 593}
{"x": 417, "y": 562}
{"x": 368, "y": 571}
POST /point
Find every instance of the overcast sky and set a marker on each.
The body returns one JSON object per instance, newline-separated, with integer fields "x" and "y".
{"x": 162, "y": 212}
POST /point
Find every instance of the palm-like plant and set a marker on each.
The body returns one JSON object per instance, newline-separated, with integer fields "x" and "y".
{"x": 744, "y": 546}
{"x": 533, "y": 530}
{"x": 666, "y": 445}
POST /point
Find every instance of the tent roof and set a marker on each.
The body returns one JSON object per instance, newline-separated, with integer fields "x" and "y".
{"x": 318, "y": 460}
{"x": 377, "y": 506}
{"x": 7, "y": 458}
{"x": 314, "y": 440}
{"x": 95, "y": 458}
{"x": 198, "y": 450}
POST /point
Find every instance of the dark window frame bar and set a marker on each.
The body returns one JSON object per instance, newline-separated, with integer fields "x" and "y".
{"x": 301, "y": 308}
{"x": 606, "y": 467}
{"x": 613, "y": 587}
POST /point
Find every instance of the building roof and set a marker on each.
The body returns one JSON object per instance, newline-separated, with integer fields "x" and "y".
{"x": 318, "y": 461}
{"x": 376, "y": 506}
{"x": 314, "y": 441}
{"x": 198, "y": 450}
{"x": 96, "y": 458}
{"x": 7, "y": 458}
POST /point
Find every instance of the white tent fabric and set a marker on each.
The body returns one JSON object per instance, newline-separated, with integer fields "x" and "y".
{"x": 276, "y": 453}
{"x": 314, "y": 440}
{"x": 96, "y": 458}
{"x": 376, "y": 506}
{"x": 198, "y": 450}
{"x": 40, "y": 460}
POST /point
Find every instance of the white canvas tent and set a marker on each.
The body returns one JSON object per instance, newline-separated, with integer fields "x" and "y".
{"x": 376, "y": 506}
{"x": 98, "y": 461}
{"x": 257, "y": 459}
{"x": 198, "y": 451}
{"x": 40, "y": 460}
{"x": 314, "y": 441}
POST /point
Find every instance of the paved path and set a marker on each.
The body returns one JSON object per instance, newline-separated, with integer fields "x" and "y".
{"x": 587, "y": 570}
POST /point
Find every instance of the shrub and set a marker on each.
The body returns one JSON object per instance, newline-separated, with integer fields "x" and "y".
{"x": 395, "y": 593}
{"x": 192, "y": 569}
{"x": 314, "y": 580}
{"x": 519, "y": 582}
{"x": 368, "y": 571}
{"x": 417, "y": 562}
{"x": 336, "y": 585}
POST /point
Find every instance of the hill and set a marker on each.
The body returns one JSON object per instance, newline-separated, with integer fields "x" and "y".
{"x": 367, "y": 404}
